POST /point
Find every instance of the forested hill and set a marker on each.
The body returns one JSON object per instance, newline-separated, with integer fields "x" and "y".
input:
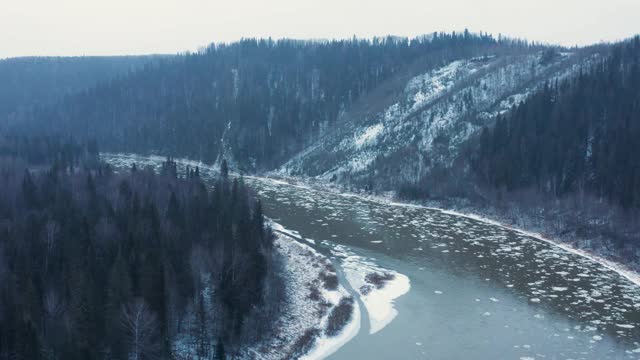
{"x": 30, "y": 81}
{"x": 255, "y": 102}
{"x": 577, "y": 135}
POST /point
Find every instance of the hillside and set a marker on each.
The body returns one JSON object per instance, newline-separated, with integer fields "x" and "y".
{"x": 579, "y": 134}
{"x": 255, "y": 102}
{"x": 425, "y": 125}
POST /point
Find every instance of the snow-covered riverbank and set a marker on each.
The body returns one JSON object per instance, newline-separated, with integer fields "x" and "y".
{"x": 621, "y": 269}
{"x": 313, "y": 295}
{"x": 376, "y": 287}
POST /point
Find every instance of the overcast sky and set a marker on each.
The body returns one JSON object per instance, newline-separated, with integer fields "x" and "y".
{"x": 106, "y": 27}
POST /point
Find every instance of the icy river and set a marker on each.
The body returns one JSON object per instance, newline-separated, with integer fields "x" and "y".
{"x": 473, "y": 290}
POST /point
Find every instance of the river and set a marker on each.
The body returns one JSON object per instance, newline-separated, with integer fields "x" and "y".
{"x": 477, "y": 290}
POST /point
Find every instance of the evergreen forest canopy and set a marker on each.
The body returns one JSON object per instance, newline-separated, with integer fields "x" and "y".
{"x": 102, "y": 265}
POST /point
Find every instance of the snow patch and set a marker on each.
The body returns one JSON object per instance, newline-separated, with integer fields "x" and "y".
{"x": 369, "y": 135}
{"x": 625, "y": 326}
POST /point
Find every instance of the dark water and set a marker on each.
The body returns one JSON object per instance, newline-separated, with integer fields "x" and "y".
{"x": 478, "y": 291}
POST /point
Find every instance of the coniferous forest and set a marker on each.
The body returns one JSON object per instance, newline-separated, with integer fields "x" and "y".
{"x": 576, "y": 135}
{"x": 102, "y": 265}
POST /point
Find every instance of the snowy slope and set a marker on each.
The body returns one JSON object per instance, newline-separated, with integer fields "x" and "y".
{"x": 430, "y": 119}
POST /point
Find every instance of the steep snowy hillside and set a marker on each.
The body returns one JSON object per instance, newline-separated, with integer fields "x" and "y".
{"x": 428, "y": 121}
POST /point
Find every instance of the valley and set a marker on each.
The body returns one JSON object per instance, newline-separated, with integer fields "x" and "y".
{"x": 453, "y": 195}
{"x": 469, "y": 281}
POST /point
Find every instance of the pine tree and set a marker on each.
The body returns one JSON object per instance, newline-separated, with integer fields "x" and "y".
{"x": 220, "y": 352}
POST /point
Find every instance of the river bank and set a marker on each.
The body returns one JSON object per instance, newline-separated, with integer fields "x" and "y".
{"x": 318, "y": 316}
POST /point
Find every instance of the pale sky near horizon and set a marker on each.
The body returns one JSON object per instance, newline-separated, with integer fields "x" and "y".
{"x": 119, "y": 27}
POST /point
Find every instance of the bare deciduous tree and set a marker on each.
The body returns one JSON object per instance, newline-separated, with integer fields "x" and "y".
{"x": 141, "y": 327}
